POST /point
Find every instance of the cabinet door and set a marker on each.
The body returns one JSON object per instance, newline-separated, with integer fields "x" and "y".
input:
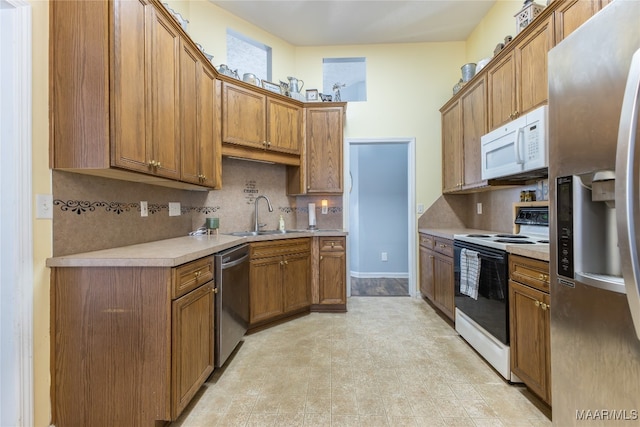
{"x": 529, "y": 337}
{"x": 296, "y": 282}
{"x": 332, "y": 277}
{"x": 192, "y": 345}
{"x": 451, "y": 148}
{"x": 444, "y": 285}
{"x": 571, "y": 14}
{"x": 244, "y": 117}
{"x": 130, "y": 80}
{"x": 474, "y": 125}
{"x": 164, "y": 90}
{"x": 324, "y": 150}
{"x": 198, "y": 139}
{"x": 426, "y": 272}
{"x": 190, "y": 144}
{"x": 531, "y": 63}
{"x": 284, "y": 126}
{"x": 209, "y": 129}
{"x": 501, "y": 82}
{"x": 265, "y": 289}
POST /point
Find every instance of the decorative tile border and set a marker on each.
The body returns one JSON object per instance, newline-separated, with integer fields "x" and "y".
{"x": 80, "y": 207}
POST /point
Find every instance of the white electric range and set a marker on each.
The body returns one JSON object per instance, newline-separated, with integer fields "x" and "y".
{"x": 482, "y": 318}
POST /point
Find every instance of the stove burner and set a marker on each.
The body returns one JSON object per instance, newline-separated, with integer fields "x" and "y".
{"x": 543, "y": 241}
{"x": 483, "y": 236}
{"x": 515, "y": 241}
{"x": 511, "y": 236}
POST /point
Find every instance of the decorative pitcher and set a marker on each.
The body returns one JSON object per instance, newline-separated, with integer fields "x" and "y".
{"x": 293, "y": 85}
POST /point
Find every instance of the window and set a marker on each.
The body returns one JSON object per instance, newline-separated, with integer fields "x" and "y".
{"x": 248, "y": 56}
{"x": 345, "y": 77}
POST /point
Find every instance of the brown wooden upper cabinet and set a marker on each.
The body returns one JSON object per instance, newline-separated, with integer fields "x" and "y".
{"x": 200, "y": 138}
{"x": 570, "y": 14}
{"x": 464, "y": 121}
{"x": 254, "y": 120}
{"x": 324, "y": 150}
{"x": 517, "y": 82}
{"x": 116, "y": 97}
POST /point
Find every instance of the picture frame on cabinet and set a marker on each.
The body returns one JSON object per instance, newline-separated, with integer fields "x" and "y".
{"x": 271, "y": 87}
{"x": 312, "y": 95}
{"x": 325, "y": 98}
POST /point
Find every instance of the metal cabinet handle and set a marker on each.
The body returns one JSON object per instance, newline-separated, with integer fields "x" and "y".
{"x": 537, "y": 303}
{"x": 544, "y": 306}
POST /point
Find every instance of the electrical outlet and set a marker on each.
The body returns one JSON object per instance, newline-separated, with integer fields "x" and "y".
{"x": 44, "y": 206}
{"x": 174, "y": 208}
{"x": 479, "y": 208}
{"x": 144, "y": 209}
{"x": 383, "y": 256}
{"x": 420, "y": 208}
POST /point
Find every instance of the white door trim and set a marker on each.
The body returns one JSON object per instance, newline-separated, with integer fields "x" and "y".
{"x": 411, "y": 189}
{"x": 16, "y": 236}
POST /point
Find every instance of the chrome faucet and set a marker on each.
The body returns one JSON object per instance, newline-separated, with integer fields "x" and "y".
{"x": 257, "y": 224}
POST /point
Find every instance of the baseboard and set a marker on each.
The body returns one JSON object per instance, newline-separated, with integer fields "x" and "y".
{"x": 379, "y": 275}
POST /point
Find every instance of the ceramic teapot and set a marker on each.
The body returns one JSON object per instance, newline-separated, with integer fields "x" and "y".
{"x": 293, "y": 85}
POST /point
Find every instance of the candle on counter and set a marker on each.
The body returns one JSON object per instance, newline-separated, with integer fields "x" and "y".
{"x": 312, "y": 216}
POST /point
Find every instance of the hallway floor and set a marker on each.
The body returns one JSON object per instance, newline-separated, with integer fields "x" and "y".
{"x": 379, "y": 286}
{"x": 387, "y": 362}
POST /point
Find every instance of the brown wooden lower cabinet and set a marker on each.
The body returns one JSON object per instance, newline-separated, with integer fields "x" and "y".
{"x": 529, "y": 312}
{"x": 436, "y": 273}
{"x": 332, "y": 274}
{"x": 279, "y": 279}
{"x": 130, "y": 345}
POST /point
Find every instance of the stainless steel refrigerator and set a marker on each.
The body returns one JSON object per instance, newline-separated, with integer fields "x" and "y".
{"x": 594, "y": 177}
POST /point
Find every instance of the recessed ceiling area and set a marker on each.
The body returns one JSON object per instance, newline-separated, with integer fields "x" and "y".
{"x": 335, "y": 22}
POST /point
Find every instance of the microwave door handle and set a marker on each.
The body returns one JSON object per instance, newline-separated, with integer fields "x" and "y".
{"x": 627, "y": 176}
{"x": 519, "y": 159}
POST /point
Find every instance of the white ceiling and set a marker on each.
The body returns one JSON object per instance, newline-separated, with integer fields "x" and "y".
{"x": 335, "y": 22}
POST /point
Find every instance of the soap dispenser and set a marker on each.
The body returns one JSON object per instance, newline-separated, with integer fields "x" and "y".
{"x": 281, "y": 224}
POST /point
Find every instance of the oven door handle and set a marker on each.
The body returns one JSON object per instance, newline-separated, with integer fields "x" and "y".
{"x": 494, "y": 258}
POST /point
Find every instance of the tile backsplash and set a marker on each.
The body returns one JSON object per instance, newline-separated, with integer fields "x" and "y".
{"x": 92, "y": 213}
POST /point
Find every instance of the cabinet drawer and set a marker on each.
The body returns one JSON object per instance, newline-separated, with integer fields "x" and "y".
{"x": 426, "y": 241}
{"x": 444, "y": 246}
{"x": 191, "y": 275}
{"x": 336, "y": 244}
{"x": 529, "y": 271}
{"x": 279, "y": 247}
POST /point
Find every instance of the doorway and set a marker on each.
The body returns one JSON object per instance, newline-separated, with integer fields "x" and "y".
{"x": 16, "y": 242}
{"x": 379, "y": 203}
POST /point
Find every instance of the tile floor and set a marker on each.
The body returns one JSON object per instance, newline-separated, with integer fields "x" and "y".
{"x": 388, "y": 361}
{"x": 380, "y": 286}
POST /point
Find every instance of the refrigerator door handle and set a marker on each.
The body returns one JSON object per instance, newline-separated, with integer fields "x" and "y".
{"x": 627, "y": 176}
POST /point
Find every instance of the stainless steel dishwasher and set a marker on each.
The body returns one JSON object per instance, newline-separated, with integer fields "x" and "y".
{"x": 232, "y": 300}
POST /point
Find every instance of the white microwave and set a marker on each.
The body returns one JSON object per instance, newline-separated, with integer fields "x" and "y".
{"x": 517, "y": 148}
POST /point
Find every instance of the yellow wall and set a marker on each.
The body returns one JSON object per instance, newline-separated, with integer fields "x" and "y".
{"x": 406, "y": 86}
{"x": 42, "y": 235}
{"x": 498, "y": 23}
{"x": 208, "y": 26}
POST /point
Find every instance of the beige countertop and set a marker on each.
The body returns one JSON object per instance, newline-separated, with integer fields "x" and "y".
{"x": 171, "y": 252}
{"x": 537, "y": 251}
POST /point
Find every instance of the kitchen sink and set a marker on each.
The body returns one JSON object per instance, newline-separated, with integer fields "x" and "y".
{"x": 269, "y": 232}
{"x": 262, "y": 232}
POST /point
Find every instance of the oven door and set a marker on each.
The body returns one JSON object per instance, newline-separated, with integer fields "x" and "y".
{"x": 491, "y": 309}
